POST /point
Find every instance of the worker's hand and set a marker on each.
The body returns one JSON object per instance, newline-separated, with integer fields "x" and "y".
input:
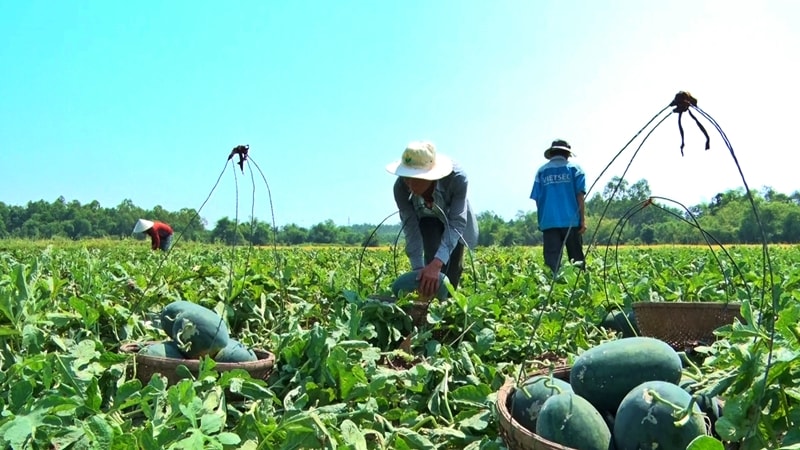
{"x": 131, "y": 284}
{"x": 428, "y": 278}
{"x": 582, "y": 229}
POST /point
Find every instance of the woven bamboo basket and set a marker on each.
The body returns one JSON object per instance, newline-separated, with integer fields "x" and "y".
{"x": 684, "y": 324}
{"x": 515, "y": 435}
{"x": 145, "y": 365}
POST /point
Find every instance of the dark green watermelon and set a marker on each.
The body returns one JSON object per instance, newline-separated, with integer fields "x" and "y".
{"x": 197, "y": 330}
{"x": 526, "y": 400}
{"x": 621, "y": 322}
{"x": 408, "y": 283}
{"x": 166, "y": 349}
{"x": 235, "y": 352}
{"x": 570, "y": 420}
{"x": 642, "y": 421}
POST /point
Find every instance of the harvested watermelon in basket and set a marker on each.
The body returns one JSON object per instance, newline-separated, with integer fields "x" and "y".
{"x": 235, "y": 352}
{"x": 570, "y": 420}
{"x": 649, "y": 417}
{"x": 527, "y": 399}
{"x": 166, "y": 349}
{"x": 624, "y": 394}
{"x": 605, "y": 374}
{"x": 197, "y": 330}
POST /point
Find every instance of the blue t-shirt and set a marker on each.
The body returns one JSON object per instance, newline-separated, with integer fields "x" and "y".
{"x": 555, "y": 191}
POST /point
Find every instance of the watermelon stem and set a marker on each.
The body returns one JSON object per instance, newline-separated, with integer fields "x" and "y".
{"x": 548, "y": 383}
{"x": 688, "y": 362}
{"x": 424, "y": 421}
{"x": 681, "y": 415}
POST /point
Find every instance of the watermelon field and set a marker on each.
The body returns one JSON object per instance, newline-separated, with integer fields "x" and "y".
{"x": 352, "y": 371}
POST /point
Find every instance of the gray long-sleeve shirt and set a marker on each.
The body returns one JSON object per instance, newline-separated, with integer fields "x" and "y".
{"x": 450, "y": 206}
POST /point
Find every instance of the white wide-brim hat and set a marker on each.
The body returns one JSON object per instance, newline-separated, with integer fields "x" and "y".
{"x": 142, "y": 225}
{"x": 420, "y": 160}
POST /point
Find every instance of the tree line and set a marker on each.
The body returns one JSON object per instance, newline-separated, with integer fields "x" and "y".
{"x": 622, "y": 213}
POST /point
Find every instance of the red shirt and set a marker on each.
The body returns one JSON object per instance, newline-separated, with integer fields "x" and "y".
{"x": 159, "y": 231}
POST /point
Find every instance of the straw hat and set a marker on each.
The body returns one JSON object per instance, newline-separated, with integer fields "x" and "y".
{"x": 142, "y": 225}
{"x": 558, "y": 144}
{"x": 420, "y": 160}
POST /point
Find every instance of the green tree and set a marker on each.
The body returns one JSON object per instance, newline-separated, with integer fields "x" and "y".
{"x": 526, "y": 229}
{"x": 647, "y": 234}
{"x": 82, "y": 228}
{"x": 728, "y": 217}
{"x": 292, "y": 234}
{"x": 125, "y": 216}
{"x": 227, "y": 232}
{"x": 324, "y": 233}
{"x": 492, "y": 228}
{"x": 370, "y": 240}
{"x": 791, "y": 225}
{"x": 258, "y": 234}
{"x": 188, "y": 222}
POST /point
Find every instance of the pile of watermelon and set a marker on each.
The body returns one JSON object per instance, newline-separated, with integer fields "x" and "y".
{"x": 194, "y": 332}
{"x": 624, "y": 394}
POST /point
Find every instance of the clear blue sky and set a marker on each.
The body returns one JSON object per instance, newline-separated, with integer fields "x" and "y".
{"x": 107, "y": 100}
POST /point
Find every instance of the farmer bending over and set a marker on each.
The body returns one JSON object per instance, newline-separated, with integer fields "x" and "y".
{"x": 431, "y": 195}
{"x": 160, "y": 233}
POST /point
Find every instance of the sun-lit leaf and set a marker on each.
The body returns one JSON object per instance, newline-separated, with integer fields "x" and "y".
{"x": 71, "y": 436}
{"x": 7, "y": 331}
{"x": 20, "y": 394}
{"x": 352, "y": 436}
{"x": 16, "y": 431}
{"x": 211, "y": 423}
{"x": 477, "y": 422}
{"x": 102, "y": 432}
{"x": 194, "y": 440}
{"x": 229, "y": 439}
{"x": 414, "y": 440}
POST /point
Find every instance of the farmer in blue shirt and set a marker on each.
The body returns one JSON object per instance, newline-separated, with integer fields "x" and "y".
{"x": 438, "y": 222}
{"x": 559, "y": 190}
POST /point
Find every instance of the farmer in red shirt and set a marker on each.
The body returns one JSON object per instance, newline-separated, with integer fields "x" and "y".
{"x": 160, "y": 233}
